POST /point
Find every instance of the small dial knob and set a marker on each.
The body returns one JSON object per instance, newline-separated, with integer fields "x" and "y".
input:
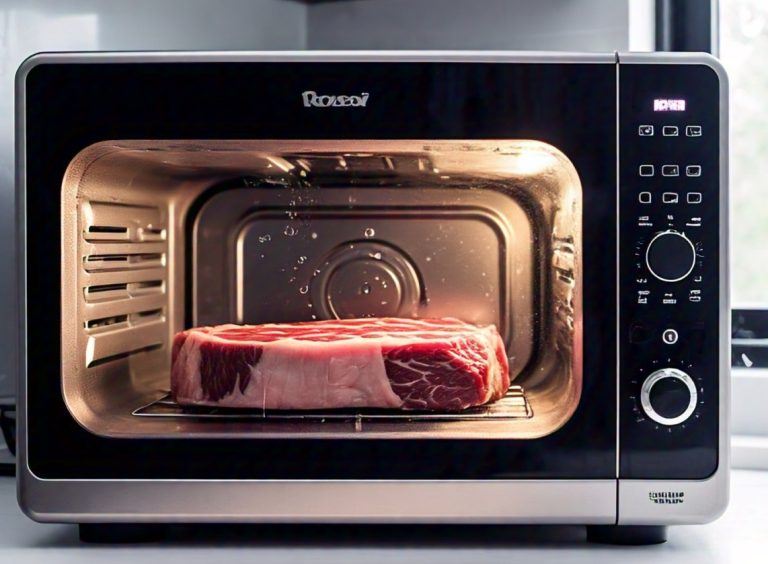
{"x": 670, "y": 256}
{"x": 668, "y": 396}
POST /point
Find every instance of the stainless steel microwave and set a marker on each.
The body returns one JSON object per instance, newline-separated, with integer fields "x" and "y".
{"x": 567, "y": 212}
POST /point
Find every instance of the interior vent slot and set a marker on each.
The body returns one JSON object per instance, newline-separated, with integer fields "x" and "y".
{"x": 106, "y": 292}
{"x": 564, "y": 261}
{"x": 117, "y": 222}
{"x": 96, "y": 263}
{"x": 123, "y": 354}
{"x": 107, "y": 233}
{"x": 149, "y": 316}
{"x": 112, "y": 322}
{"x": 144, "y": 288}
{"x": 119, "y": 336}
{"x": 108, "y": 229}
{"x": 122, "y": 291}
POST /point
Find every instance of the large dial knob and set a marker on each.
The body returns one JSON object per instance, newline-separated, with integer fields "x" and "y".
{"x": 668, "y": 396}
{"x": 670, "y": 256}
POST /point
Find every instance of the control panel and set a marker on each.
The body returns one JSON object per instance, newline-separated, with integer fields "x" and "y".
{"x": 669, "y": 279}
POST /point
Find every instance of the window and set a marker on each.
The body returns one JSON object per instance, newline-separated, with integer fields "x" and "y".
{"x": 743, "y": 42}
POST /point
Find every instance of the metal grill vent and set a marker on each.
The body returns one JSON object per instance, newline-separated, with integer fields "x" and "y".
{"x": 123, "y": 280}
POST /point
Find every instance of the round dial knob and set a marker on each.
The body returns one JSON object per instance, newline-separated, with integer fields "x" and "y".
{"x": 670, "y": 256}
{"x": 668, "y": 396}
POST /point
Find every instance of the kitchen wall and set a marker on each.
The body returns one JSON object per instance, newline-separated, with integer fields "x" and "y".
{"x": 578, "y": 25}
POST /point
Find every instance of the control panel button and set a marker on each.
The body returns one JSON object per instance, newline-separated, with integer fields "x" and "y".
{"x": 693, "y": 170}
{"x": 670, "y": 131}
{"x": 670, "y": 170}
{"x": 645, "y": 131}
{"x": 694, "y": 295}
{"x": 668, "y": 396}
{"x": 693, "y": 197}
{"x": 646, "y": 170}
{"x": 645, "y": 197}
{"x": 669, "y": 198}
{"x": 669, "y": 336}
{"x": 670, "y": 256}
{"x": 693, "y": 131}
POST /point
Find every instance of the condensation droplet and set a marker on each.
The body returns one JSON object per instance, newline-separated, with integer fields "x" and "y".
{"x": 376, "y": 256}
{"x": 304, "y": 289}
{"x": 429, "y": 259}
{"x": 314, "y": 235}
{"x": 314, "y": 316}
{"x": 365, "y": 288}
{"x": 265, "y": 238}
{"x": 302, "y": 259}
{"x": 369, "y": 232}
{"x": 289, "y": 231}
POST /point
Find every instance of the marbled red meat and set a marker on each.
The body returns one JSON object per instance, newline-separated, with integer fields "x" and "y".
{"x": 412, "y": 364}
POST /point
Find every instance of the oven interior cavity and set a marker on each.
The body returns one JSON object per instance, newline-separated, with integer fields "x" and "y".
{"x": 462, "y": 251}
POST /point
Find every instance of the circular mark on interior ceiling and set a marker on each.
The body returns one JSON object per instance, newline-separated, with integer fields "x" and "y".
{"x": 366, "y": 279}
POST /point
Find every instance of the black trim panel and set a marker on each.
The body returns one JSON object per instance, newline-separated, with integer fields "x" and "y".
{"x": 669, "y": 324}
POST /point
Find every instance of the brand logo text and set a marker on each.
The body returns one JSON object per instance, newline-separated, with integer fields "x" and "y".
{"x": 312, "y": 99}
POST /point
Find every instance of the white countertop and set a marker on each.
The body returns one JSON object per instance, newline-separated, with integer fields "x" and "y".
{"x": 741, "y": 535}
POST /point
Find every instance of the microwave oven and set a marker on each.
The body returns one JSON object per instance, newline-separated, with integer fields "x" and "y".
{"x": 573, "y": 205}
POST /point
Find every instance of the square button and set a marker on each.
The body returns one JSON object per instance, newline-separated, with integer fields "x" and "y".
{"x": 693, "y": 197}
{"x": 693, "y": 131}
{"x": 646, "y": 170}
{"x": 693, "y": 170}
{"x": 669, "y": 198}
{"x": 670, "y": 131}
{"x": 644, "y": 197}
{"x": 670, "y": 170}
{"x": 645, "y": 131}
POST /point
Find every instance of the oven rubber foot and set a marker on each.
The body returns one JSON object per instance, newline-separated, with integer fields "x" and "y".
{"x": 626, "y": 534}
{"x": 121, "y": 533}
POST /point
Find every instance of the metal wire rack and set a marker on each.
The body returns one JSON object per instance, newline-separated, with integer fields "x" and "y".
{"x": 514, "y": 405}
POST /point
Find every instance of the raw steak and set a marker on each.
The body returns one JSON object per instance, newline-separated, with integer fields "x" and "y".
{"x": 430, "y": 364}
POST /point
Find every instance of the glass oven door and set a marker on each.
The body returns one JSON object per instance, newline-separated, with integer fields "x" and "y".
{"x": 402, "y": 270}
